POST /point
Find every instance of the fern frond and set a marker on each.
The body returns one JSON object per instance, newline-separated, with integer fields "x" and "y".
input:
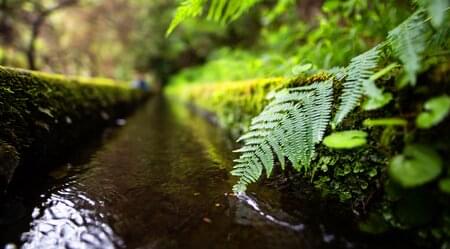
{"x": 359, "y": 70}
{"x": 288, "y": 127}
{"x": 187, "y": 9}
{"x": 408, "y": 41}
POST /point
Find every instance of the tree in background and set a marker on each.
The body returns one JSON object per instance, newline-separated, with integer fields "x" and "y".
{"x": 33, "y": 14}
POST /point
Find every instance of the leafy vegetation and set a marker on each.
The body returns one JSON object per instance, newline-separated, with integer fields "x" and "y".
{"x": 374, "y": 101}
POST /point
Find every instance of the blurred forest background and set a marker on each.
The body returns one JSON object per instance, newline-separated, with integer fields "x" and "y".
{"x": 116, "y": 38}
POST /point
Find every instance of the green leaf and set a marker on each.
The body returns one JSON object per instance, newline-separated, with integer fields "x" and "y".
{"x": 444, "y": 185}
{"x": 417, "y": 165}
{"x": 385, "y": 122}
{"x": 436, "y": 110}
{"x": 345, "y": 139}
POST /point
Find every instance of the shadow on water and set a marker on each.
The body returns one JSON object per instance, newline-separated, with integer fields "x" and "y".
{"x": 162, "y": 182}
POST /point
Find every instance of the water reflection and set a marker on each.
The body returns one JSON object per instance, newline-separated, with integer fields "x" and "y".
{"x": 248, "y": 209}
{"x": 69, "y": 218}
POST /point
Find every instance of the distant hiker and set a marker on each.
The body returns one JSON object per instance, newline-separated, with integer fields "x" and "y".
{"x": 141, "y": 83}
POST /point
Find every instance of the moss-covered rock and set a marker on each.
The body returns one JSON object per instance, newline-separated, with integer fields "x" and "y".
{"x": 42, "y": 115}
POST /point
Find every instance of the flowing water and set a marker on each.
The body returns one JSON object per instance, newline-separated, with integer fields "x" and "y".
{"x": 161, "y": 181}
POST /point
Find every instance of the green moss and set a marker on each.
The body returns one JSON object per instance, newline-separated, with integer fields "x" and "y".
{"x": 42, "y": 115}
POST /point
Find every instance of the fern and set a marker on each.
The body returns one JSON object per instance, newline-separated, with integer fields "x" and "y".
{"x": 408, "y": 41}
{"x": 359, "y": 70}
{"x": 288, "y": 127}
{"x": 219, "y": 10}
{"x": 187, "y": 9}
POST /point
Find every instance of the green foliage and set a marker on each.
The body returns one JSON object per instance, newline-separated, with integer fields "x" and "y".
{"x": 359, "y": 70}
{"x": 288, "y": 46}
{"x": 359, "y": 79}
{"x": 289, "y": 127}
{"x": 408, "y": 42}
{"x": 436, "y": 109}
{"x": 219, "y": 10}
{"x": 417, "y": 165}
{"x": 345, "y": 139}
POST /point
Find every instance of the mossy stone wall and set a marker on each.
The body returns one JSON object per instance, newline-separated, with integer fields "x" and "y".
{"x": 43, "y": 116}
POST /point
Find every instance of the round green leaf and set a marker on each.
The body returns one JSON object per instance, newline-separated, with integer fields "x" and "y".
{"x": 416, "y": 166}
{"x": 444, "y": 185}
{"x": 436, "y": 110}
{"x": 346, "y": 139}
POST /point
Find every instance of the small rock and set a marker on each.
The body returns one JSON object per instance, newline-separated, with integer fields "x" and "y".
{"x": 207, "y": 220}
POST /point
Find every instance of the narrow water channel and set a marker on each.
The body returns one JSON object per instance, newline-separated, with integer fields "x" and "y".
{"x": 161, "y": 181}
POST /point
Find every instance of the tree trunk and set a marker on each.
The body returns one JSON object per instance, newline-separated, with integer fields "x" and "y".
{"x": 31, "y": 49}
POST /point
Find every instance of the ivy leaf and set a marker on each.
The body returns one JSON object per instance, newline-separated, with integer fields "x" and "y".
{"x": 436, "y": 110}
{"x": 345, "y": 139}
{"x": 416, "y": 166}
{"x": 444, "y": 185}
